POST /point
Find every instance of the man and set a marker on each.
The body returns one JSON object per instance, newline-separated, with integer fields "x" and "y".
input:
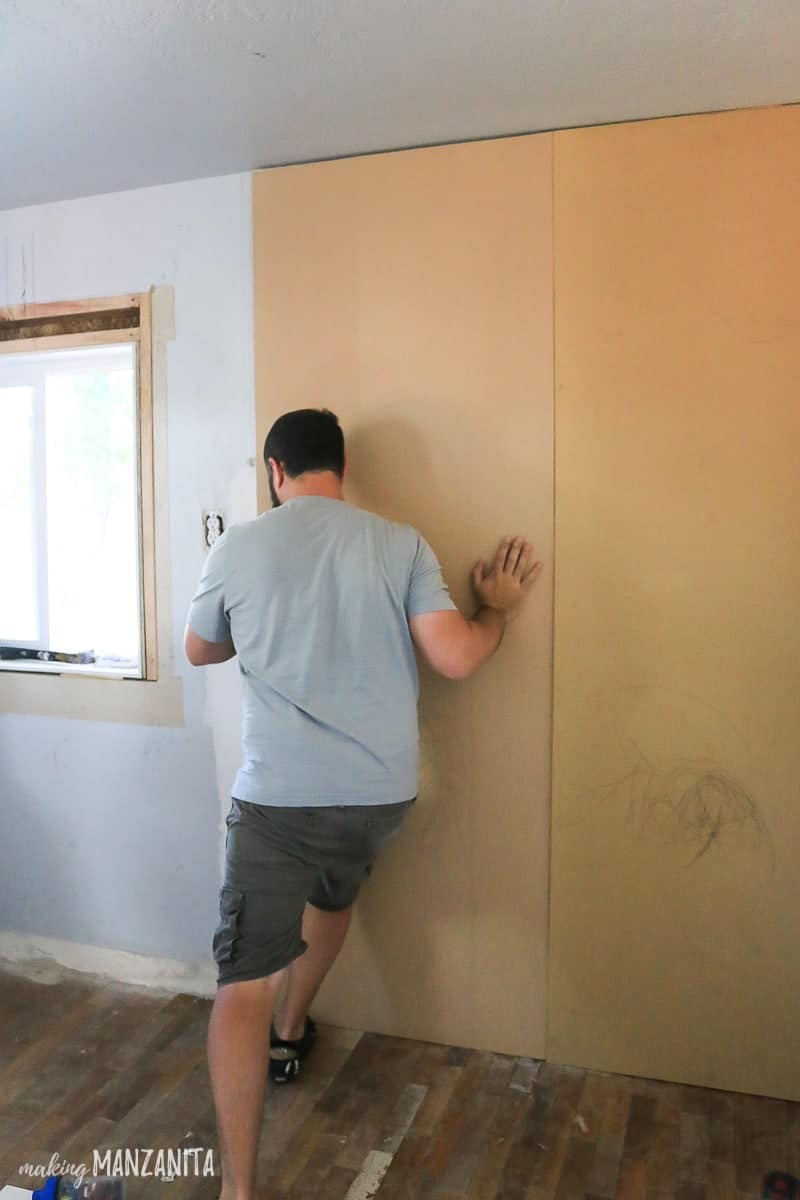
{"x": 323, "y": 603}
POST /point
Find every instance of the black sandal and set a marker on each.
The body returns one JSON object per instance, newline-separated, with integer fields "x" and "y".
{"x": 285, "y": 1056}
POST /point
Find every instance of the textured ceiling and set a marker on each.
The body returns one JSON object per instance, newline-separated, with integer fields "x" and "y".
{"x": 101, "y": 95}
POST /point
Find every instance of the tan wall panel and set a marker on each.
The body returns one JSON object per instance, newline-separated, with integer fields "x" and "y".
{"x": 677, "y": 645}
{"x": 412, "y": 294}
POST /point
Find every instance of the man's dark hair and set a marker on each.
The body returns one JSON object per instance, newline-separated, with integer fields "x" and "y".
{"x": 308, "y": 439}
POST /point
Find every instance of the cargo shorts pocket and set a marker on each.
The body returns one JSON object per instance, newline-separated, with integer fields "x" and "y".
{"x": 230, "y": 910}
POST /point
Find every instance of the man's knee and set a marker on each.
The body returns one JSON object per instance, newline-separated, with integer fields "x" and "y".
{"x": 260, "y": 984}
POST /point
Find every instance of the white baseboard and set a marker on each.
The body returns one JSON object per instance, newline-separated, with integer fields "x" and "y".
{"x": 46, "y": 960}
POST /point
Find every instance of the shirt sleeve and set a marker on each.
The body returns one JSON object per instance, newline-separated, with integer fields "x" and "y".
{"x": 207, "y": 615}
{"x": 427, "y": 590}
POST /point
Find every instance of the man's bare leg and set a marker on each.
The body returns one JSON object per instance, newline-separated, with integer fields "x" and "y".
{"x": 325, "y": 933}
{"x": 238, "y": 1051}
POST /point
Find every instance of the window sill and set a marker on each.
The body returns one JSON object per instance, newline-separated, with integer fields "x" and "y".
{"x": 85, "y": 697}
{"x": 25, "y": 666}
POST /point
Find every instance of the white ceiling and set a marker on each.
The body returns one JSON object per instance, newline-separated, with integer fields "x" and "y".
{"x": 101, "y": 95}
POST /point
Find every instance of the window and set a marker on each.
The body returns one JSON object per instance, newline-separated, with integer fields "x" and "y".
{"x": 76, "y": 492}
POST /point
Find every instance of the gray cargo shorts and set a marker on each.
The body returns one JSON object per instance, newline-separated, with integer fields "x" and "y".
{"x": 279, "y": 858}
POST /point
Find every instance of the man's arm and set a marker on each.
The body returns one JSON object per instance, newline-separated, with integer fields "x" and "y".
{"x": 201, "y": 653}
{"x": 455, "y": 646}
{"x": 207, "y": 612}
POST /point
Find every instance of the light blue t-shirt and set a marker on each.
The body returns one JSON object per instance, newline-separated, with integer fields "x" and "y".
{"x": 316, "y": 595}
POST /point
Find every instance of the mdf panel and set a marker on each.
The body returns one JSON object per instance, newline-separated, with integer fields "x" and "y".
{"x": 412, "y": 294}
{"x": 676, "y": 822}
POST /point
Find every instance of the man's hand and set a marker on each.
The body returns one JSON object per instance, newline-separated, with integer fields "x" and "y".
{"x": 506, "y": 582}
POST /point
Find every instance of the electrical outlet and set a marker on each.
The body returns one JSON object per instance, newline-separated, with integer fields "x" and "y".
{"x": 213, "y": 526}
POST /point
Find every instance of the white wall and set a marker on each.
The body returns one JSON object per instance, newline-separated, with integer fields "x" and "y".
{"x": 110, "y": 834}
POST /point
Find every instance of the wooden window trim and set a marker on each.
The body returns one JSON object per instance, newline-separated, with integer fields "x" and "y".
{"x": 49, "y": 314}
{"x": 147, "y": 488}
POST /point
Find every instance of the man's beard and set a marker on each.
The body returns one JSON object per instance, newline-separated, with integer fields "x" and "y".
{"x": 275, "y": 501}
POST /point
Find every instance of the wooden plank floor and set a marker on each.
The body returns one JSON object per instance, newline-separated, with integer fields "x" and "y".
{"x": 85, "y": 1066}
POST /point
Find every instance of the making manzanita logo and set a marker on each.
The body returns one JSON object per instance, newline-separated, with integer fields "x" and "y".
{"x": 176, "y": 1162}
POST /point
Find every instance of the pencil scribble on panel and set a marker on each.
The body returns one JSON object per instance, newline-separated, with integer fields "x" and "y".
{"x": 696, "y": 804}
